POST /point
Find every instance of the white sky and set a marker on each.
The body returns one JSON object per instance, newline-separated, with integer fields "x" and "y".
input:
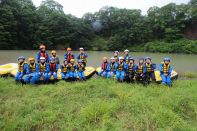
{"x": 80, "y": 7}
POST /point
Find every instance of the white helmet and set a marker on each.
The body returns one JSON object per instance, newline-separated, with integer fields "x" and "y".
{"x": 81, "y": 48}
{"x": 126, "y": 50}
{"x": 42, "y": 58}
{"x": 121, "y": 58}
{"x": 112, "y": 58}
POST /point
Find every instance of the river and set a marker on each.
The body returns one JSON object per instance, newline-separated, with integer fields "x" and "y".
{"x": 180, "y": 62}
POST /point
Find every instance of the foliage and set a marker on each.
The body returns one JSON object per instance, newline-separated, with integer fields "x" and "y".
{"x": 98, "y": 104}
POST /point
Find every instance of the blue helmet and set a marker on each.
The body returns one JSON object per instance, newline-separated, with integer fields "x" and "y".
{"x": 166, "y": 59}
{"x": 147, "y": 58}
{"x": 80, "y": 61}
{"x": 21, "y": 57}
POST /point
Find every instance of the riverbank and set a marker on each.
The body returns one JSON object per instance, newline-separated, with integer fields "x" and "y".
{"x": 98, "y": 104}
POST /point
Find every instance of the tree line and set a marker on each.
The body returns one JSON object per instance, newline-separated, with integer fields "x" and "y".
{"x": 24, "y": 26}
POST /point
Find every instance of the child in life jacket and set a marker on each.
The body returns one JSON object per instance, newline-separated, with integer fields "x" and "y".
{"x": 121, "y": 69}
{"x": 80, "y": 70}
{"x": 82, "y": 56}
{"x": 42, "y": 53}
{"x": 104, "y": 70}
{"x": 111, "y": 68}
{"x": 65, "y": 70}
{"x": 140, "y": 71}
{"x": 69, "y": 55}
{"x": 150, "y": 68}
{"x": 72, "y": 73}
{"x": 53, "y": 68}
{"x": 131, "y": 70}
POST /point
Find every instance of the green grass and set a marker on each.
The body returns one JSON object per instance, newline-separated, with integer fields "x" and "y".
{"x": 98, "y": 104}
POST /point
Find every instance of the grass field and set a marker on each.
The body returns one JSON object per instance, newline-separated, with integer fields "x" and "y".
{"x": 98, "y": 104}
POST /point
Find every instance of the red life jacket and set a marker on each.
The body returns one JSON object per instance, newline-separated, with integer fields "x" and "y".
{"x": 52, "y": 67}
{"x": 69, "y": 56}
{"x": 43, "y": 54}
{"x": 104, "y": 66}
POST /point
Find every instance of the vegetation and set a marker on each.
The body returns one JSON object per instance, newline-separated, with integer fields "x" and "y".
{"x": 98, "y": 104}
{"x": 23, "y": 26}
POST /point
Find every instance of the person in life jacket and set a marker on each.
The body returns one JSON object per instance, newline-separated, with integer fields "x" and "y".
{"x": 42, "y": 69}
{"x": 111, "y": 68}
{"x": 65, "y": 70}
{"x": 82, "y": 56}
{"x": 150, "y": 68}
{"x": 72, "y": 72}
{"x": 131, "y": 70}
{"x": 140, "y": 71}
{"x": 69, "y": 55}
{"x": 55, "y": 56}
{"x": 80, "y": 70}
{"x": 32, "y": 77}
{"x": 126, "y": 56}
{"x": 165, "y": 71}
{"x": 42, "y": 53}
{"x": 116, "y": 53}
{"x": 53, "y": 68}
{"x": 104, "y": 70}
{"x": 23, "y": 69}
{"x": 121, "y": 69}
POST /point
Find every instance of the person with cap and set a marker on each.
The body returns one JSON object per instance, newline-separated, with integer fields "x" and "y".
{"x": 126, "y": 56}
{"x": 53, "y": 68}
{"x": 131, "y": 70}
{"x": 111, "y": 68}
{"x": 150, "y": 68}
{"x": 42, "y": 53}
{"x": 69, "y": 55}
{"x": 140, "y": 71}
{"x": 165, "y": 71}
{"x": 72, "y": 72}
{"x": 55, "y": 56}
{"x": 116, "y": 53}
{"x": 32, "y": 76}
{"x": 23, "y": 69}
{"x": 42, "y": 70}
{"x": 104, "y": 70}
{"x": 65, "y": 70}
{"x": 121, "y": 69}
{"x": 80, "y": 70}
{"x": 82, "y": 56}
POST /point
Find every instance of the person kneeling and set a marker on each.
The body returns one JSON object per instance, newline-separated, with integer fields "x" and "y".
{"x": 23, "y": 69}
{"x": 121, "y": 69}
{"x": 104, "y": 70}
{"x": 140, "y": 71}
{"x": 80, "y": 70}
{"x": 150, "y": 68}
{"x": 53, "y": 68}
{"x": 131, "y": 70}
{"x": 72, "y": 73}
{"x": 65, "y": 70}
{"x": 111, "y": 68}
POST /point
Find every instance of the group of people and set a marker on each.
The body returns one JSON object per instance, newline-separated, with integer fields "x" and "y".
{"x": 124, "y": 68}
{"x": 48, "y": 66}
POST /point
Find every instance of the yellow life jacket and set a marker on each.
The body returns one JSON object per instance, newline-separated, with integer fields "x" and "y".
{"x": 21, "y": 67}
{"x": 127, "y": 59}
{"x": 32, "y": 67}
{"x": 140, "y": 69}
{"x": 116, "y": 58}
{"x": 121, "y": 66}
{"x": 112, "y": 66}
{"x": 82, "y": 57}
{"x": 166, "y": 68}
{"x": 131, "y": 67}
{"x": 65, "y": 68}
{"x": 42, "y": 67}
{"x": 72, "y": 67}
{"x": 81, "y": 67}
{"x": 148, "y": 67}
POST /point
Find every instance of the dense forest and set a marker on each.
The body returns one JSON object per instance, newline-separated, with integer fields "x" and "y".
{"x": 171, "y": 28}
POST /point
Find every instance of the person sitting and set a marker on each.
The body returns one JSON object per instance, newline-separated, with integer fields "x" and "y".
{"x": 53, "y": 68}
{"x": 82, "y": 56}
{"x": 126, "y": 56}
{"x": 69, "y": 55}
{"x": 140, "y": 71}
{"x": 23, "y": 69}
{"x": 42, "y": 53}
{"x": 80, "y": 70}
{"x": 165, "y": 71}
{"x": 116, "y": 55}
{"x": 121, "y": 69}
{"x": 42, "y": 70}
{"x": 104, "y": 70}
{"x": 150, "y": 68}
{"x": 72, "y": 73}
{"x": 55, "y": 56}
{"x": 31, "y": 78}
{"x": 131, "y": 70}
{"x": 65, "y": 70}
{"x": 111, "y": 68}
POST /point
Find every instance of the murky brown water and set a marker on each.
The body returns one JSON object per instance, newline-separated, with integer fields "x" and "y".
{"x": 181, "y": 62}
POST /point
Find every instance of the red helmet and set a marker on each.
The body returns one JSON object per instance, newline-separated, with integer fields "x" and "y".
{"x": 69, "y": 49}
{"x": 42, "y": 46}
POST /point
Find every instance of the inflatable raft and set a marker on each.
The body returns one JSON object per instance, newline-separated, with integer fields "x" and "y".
{"x": 174, "y": 74}
{"x": 8, "y": 68}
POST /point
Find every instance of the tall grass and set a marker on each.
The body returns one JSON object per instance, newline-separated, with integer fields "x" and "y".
{"x": 98, "y": 104}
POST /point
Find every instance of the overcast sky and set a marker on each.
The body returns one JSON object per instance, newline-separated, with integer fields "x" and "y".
{"x": 80, "y": 7}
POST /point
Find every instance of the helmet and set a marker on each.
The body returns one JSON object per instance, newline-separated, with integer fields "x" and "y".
{"x": 21, "y": 57}
{"x": 72, "y": 60}
{"x": 141, "y": 59}
{"x": 126, "y": 50}
{"x": 116, "y": 51}
{"x": 52, "y": 59}
{"x": 42, "y": 46}
{"x": 42, "y": 58}
{"x": 80, "y": 61}
{"x": 104, "y": 58}
{"x": 69, "y": 49}
{"x": 131, "y": 58}
{"x": 121, "y": 58}
{"x": 65, "y": 60}
{"x": 147, "y": 58}
{"x": 166, "y": 59}
{"x": 81, "y": 48}
{"x": 53, "y": 52}
{"x": 112, "y": 58}
{"x": 31, "y": 59}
